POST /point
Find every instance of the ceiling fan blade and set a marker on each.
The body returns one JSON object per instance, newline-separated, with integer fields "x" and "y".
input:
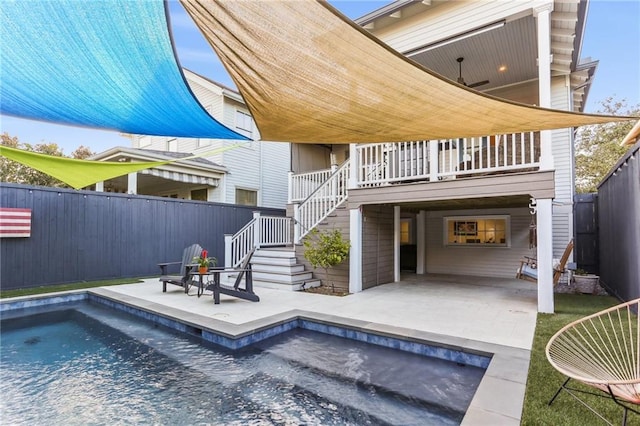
{"x": 478, "y": 83}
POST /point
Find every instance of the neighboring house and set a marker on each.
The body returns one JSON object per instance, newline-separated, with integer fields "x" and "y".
{"x": 459, "y": 206}
{"x": 252, "y": 174}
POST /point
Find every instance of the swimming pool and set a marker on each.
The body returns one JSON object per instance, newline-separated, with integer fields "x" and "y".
{"x": 90, "y": 364}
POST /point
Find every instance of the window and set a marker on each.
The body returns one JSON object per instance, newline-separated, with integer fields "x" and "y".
{"x": 486, "y": 231}
{"x": 405, "y": 231}
{"x": 244, "y": 124}
{"x": 199, "y": 194}
{"x": 246, "y": 197}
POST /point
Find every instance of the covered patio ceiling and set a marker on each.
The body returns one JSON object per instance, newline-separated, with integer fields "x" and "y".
{"x": 509, "y": 43}
{"x": 337, "y": 83}
{"x": 469, "y": 203}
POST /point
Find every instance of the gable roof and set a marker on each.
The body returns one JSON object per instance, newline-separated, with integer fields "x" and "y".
{"x": 141, "y": 154}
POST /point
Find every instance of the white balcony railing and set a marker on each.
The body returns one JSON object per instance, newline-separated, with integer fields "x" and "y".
{"x": 261, "y": 231}
{"x": 303, "y": 184}
{"x": 387, "y": 163}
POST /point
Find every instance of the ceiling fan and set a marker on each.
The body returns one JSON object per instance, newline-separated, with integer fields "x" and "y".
{"x": 461, "y": 80}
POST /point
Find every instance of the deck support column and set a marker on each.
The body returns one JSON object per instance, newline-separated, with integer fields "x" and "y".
{"x": 421, "y": 241}
{"x": 543, "y": 18}
{"x": 355, "y": 252}
{"x": 132, "y": 183}
{"x": 544, "y": 219}
{"x": 396, "y": 243}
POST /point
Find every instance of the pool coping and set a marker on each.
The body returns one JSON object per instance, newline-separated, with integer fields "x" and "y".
{"x": 499, "y": 398}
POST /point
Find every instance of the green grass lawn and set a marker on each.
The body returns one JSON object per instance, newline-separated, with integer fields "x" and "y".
{"x": 65, "y": 287}
{"x": 543, "y": 380}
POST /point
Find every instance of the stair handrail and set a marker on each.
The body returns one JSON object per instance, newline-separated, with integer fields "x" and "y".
{"x": 322, "y": 202}
{"x": 277, "y": 231}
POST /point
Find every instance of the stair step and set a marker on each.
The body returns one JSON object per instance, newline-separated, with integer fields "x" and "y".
{"x": 276, "y": 284}
{"x": 279, "y": 261}
{"x": 290, "y": 286}
{"x": 277, "y": 253}
{"x": 277, "y": 269}
{"x": 293, "y": 277}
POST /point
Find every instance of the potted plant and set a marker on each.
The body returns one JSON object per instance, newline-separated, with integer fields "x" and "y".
{"x": 204, "y": 262}
{"x": 585, "y": 282}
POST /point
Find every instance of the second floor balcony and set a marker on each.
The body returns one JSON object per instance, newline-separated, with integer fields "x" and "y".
{"x": 384, "y": 164}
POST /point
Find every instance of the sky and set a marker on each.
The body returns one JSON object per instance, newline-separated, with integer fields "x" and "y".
{"x": 612, "y": 36}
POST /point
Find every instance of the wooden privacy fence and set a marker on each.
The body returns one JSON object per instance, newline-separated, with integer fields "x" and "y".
{"x": 86, "y": 235}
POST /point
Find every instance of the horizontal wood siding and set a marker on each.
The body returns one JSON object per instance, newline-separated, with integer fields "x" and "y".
{"x": 339, "y": 275}
{"x": 377, "y": 246}
{"x": 87, "y": 235}
{"x": 477, "y": 261}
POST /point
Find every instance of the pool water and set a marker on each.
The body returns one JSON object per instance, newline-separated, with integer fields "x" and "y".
{"x": 92, "y": 365}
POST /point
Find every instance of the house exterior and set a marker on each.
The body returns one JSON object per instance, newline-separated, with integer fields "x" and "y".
{"x": 470, "y": 206}
{"x": 254, "y": 173}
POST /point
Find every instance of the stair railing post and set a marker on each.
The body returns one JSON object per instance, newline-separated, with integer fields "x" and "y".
{"x": 296, "y": 224}
{"x": 290, "y": 187}
{"x": 354, "y": 166}
{"x": 433, "y": 160}
{"x": 257, "y": 230}
{"x": 227, "y": 250}
{"x": 334, "y": 184}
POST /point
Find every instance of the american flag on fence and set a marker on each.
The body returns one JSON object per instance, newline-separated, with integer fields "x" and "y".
{"x": 15, "y": 222}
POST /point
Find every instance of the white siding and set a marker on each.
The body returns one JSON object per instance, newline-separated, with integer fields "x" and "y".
{"x": 257, "y": 166}
{"x": 561, "y": 140}
{"x": 448, "y": 19}
{"x": 478, "y": 261}
{"x": 275, "y": 165}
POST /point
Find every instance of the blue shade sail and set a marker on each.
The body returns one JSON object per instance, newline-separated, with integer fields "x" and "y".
{"x": 105, "y": 64}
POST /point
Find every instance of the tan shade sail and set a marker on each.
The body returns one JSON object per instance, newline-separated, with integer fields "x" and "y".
{"x": 309, "y": 74}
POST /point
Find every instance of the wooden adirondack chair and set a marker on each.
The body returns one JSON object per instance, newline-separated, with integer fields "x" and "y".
{"x": 183, "y": 279}
{"x": 528, "y": 269}
{"x": 244, "y": 271}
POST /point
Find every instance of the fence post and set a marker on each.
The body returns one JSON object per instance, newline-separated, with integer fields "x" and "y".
{"x": 227, "y": 250}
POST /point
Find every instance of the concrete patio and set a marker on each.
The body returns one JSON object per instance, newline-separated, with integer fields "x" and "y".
{"x": 490, "y": 315}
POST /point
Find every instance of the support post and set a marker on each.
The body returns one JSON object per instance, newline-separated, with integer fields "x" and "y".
{"x": 543, "y": 19}
{"x": 421, "y": 243}
{"x": 289, "y": 187}
{"x": 100, "y": 186}
{"x": 396, "y": 243}
{"x": 132, "y": 183}
{"x": 355, "y": 252}
{"x": 544, "y": 219}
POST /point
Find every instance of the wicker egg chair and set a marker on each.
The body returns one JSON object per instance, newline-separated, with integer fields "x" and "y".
{"x": 602, "y": 351}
